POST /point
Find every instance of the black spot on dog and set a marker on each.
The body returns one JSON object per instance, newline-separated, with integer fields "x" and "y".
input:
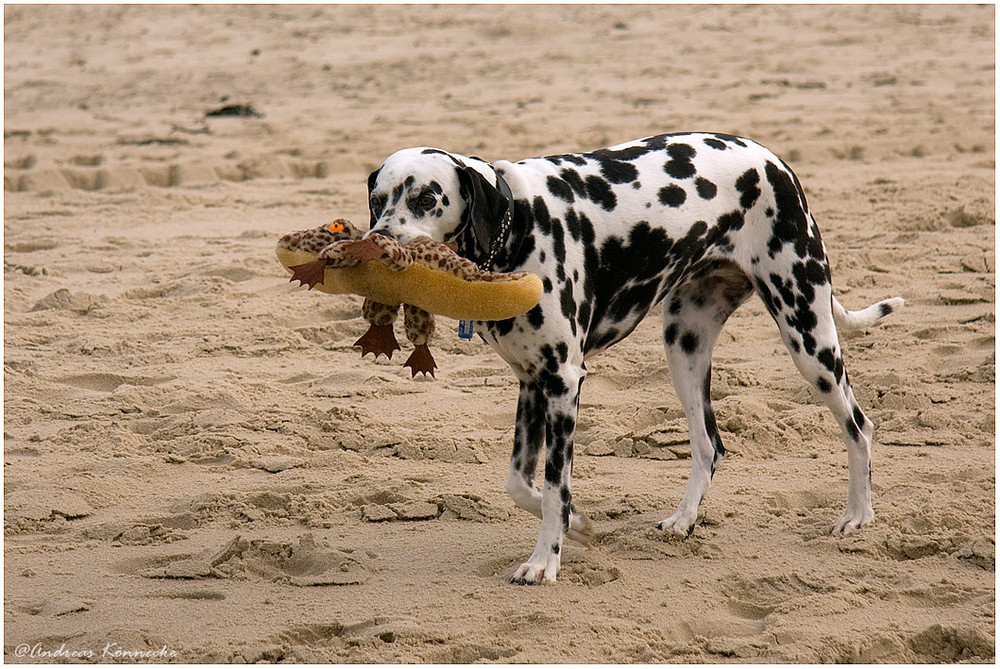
{"x": 823, "y": 385}
{"x": 443, "y": 153}
{"x": 711, "y": 428}
{"x": 715, "y": 144}
{"x": 626, "y": 154}
{"x": 706, "y": 189}
{"x": 618, "y": 172}
{"x": 746, "y": 184}
{"x": 790, "y": 222}
{"x": 670, "y": 334}
{"x": 599, "y": 191}
{"x": 502, "y": 328}
{"x": 559, "y": 188}
{"x": 658, "y": 142}
{"x": 573, "y": 224}
{"x": 535, "y": 317}
{"x": 571, "y": 158}
{"x": 885, "y": 309}
{"x": 554, "y": 465}
{"x": 680, "y": 166}
{"x": 770, "y": 302}
{"x": 587, "y": 234}
{"x": 738, "y": 141}
{"x": 805, "y": 317}
{"x": 808, "y": 343}
{"x": 583, "y": 317}
{"x": 689, "y": 342}
{"x": 559, "y": 247}
{"x": 540, "y": 212}
{"x": 732, "y": 221}
{"x": 550, "y": 358}
{"x": 784, "y": 289}
{"x": 817, "y": 273}
{"x": 575, "y": 181}
{"x": 827, "y": 358}
{"x": 689, "y": 246}
{"x": 852, "y": 429}
{"x": 859, "y": 417}
{"x": 568, "y": 304}
{"x": 672, "y": 195}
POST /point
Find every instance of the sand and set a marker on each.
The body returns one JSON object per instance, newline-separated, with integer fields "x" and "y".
{"x": 199, "y": 466}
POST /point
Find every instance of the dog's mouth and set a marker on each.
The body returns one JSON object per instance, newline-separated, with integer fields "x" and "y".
{"x": 399, "y": 233}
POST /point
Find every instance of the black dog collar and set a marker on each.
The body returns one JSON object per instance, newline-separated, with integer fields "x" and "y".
{"x": 504, "y": 233}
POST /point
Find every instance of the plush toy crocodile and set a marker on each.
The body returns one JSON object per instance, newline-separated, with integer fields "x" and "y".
{"x": 424, "y": 276}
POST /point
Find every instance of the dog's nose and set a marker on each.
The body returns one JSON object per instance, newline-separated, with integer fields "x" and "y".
{"x": 394, "y": 227}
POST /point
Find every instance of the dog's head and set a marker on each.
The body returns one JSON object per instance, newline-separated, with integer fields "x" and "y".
{"x": 428, "y": 192}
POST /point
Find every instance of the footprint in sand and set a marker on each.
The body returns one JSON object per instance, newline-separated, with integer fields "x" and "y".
{"x": 303, "y": 564}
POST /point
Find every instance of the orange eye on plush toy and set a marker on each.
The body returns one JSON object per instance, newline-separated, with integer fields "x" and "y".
{"x": 335, "y": 227}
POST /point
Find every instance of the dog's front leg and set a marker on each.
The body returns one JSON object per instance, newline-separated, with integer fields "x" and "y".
{"x": 529, "y": 436}
{"x": 557, "y": 397}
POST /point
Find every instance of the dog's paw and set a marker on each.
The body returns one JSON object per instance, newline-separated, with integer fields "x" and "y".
{"x": 537, "y": 572}
{"x": 678, "y": 526}
{"x": 853, "y": 519}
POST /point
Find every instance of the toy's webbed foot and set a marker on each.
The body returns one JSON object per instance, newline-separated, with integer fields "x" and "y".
{"x": 310, "y": 273}
{"x": 421, "y": 361}
{"x": 380, "y": 339}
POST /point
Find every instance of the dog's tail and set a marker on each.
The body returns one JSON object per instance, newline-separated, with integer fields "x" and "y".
{"x": 858, "y": 320}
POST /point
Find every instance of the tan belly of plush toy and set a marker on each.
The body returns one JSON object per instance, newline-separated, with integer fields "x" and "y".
{"x": 424, "y": 276}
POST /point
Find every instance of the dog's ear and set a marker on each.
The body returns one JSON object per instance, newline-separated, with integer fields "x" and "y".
{"x": 371, "y": 184}
{"x": 485, "y": 207}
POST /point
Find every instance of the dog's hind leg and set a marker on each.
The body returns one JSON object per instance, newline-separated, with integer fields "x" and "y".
{"x": 798, "y": 295}
{"x": 693, "y": 317}
{"x": 817, "y": 355}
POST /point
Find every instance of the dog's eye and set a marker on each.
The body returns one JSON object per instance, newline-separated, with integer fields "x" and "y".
{"x": 426, "y": 201}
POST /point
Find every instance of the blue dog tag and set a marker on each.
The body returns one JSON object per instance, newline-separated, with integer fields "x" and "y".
{"x": 466, "y": 329}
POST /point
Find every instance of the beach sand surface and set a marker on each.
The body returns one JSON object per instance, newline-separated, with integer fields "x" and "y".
{"x": 199, "y": 466}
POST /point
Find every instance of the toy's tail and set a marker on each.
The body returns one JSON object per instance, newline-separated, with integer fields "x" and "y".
{"x": 858, "y": 320}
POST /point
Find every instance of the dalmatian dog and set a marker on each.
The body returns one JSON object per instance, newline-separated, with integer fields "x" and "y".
{"x": 697, "y": 221}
